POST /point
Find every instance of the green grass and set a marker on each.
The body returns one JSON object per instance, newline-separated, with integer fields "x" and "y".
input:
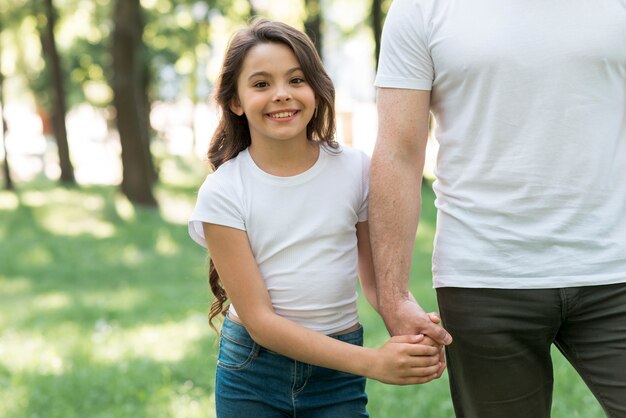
{"x": 103, "y": 310}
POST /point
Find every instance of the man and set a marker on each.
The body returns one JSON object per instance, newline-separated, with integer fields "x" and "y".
{"x": 530, "y": 249}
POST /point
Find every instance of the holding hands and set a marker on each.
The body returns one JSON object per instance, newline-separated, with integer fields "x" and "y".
{"x": 415, "y": 352}
{"x": 407, "y": 360}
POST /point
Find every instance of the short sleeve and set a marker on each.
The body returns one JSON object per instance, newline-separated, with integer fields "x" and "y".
{"x": 405, "y": 60}
{"x": 365, "y": 187}
{"x": 219, "y": 202}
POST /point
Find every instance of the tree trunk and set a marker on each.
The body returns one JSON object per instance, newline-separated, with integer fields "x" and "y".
{"x": 253, "y": 10}
{"x": 128, "y": 84}
{"x": 57, "y": 106}
{"x": 377, "y": 27}
{"x": 144, "y": 101}
{"x": 313, "y": 23}
{"x": 8, "y": 182}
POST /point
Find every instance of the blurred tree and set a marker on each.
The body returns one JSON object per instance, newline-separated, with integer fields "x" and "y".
{"x": 377, "y": 26}
{"x": 200, "y": 12}
{"x": 313, "y": 23}
{"x": 378, "y": 13}
{"x": 129, "y": 99}
{"x": 253, "y": 10}
{"x": 178, "y": 38}
{"x": 8, "y": 181}
{"x": 87, "y": 51}
{"x": 57, "y": 109}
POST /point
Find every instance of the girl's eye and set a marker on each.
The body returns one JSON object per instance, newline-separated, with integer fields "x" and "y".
{"x": 297, "y": 80}
{"x": 260, "y": 84}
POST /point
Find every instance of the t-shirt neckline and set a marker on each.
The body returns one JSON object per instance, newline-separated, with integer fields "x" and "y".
{"x": 300, "y": 178}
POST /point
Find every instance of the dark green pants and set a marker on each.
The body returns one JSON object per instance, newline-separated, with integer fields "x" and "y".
{"x": 499, "y": 363}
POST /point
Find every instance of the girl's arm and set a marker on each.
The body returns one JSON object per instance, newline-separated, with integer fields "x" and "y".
{"x": 399, "y": 361}
{"x": 368, "y": 284}
{"x": 366, "y": 267}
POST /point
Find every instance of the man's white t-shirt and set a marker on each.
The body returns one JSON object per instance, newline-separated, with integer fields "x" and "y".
{"x": 530, "y": 100}
{"x": 302, "y": 231}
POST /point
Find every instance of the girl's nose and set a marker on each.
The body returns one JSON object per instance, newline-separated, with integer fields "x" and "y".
{"x": 282, "y": 94}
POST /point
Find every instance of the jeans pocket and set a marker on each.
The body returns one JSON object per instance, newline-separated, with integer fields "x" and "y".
{"x": 236, "y": 355}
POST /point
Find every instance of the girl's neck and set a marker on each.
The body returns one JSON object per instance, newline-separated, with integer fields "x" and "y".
{"x": 285, "y": 161}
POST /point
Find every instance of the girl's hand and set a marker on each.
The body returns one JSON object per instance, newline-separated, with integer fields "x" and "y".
{"x": 406, "y": 360}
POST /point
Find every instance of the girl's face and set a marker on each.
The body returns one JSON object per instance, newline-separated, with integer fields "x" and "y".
{"x": 274, "y": 95}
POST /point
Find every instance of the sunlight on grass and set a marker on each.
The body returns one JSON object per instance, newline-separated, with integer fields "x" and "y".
{"x": 51, "y": 301}
{"x": 70, "y": 212}
{"x": 72, "y": 222}
{"x": 165, "y": 244}
{"x": 101, "y": 314}
{"x": 124, "y": 208}
{"x": 190, "y": 402}
{"x": 12, "y": 400}
{"x": 15, "y": 285}
{"x": 13, "y": 288}
{"x": 167, "y": 341}
{"x": 113, "y": 300}
{"x": 35, "y": 198}
{"x": 132, "y": 255}
{"x": 22, "y": 351}
{"x": 8, "y": 201}
{"x": 176, "y": 211}
{"x": 38, "y": 256}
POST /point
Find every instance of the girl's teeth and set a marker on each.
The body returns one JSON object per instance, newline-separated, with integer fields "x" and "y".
{"x": 282, "y": 115}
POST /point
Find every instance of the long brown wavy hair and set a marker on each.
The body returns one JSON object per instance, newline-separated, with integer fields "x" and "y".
{"x": 232, "y": 134}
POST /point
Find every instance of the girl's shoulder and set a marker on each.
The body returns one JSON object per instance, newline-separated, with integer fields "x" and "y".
{"x": 347, "y": 153}
{"x": 227, "y": 177}
{"x": 230, "y": 168}
{"x": 348, "y": 157}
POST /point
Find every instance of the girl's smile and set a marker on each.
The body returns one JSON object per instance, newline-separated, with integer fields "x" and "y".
{"x": 282, "y": 116}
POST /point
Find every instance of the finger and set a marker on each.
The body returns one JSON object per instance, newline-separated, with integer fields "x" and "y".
{"x": 438, "y": 333}
{"x": 429, "y": 362}
{"x": 427, "y": 371}
{"x": 410, "y": 364}
{"x": 434, "y": 317}
{"x": 442, "y": 368}
{"x": 443, "y": 362}
{"x": 430, "y": 341}
{"x": 407, "y": 339}
{"x": 413, "y": 381}
{"x": 420, "y": 350}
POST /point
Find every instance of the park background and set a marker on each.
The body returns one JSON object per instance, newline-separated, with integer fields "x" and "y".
{"x": 106, "y": 114}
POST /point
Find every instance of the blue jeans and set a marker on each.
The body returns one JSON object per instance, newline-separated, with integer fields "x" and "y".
{"x": 252, "y": 381}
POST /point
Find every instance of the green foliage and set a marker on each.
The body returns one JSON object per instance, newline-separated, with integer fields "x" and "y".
{"x": 103, "y": 310}
{"x": 177, "y": 33}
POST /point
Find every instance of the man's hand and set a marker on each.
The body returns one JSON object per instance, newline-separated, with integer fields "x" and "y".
{"x": 434, "y": 316}
{"x": 406, "y": 317}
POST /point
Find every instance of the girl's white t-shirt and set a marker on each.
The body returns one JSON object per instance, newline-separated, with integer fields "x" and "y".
{"x": 530, "y": 103}
{"x": 302, "y": 231}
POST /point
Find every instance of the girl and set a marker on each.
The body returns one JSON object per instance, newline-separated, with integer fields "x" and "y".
{"x": 284, "y": 217}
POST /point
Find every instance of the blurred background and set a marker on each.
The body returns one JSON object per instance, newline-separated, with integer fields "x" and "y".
{"x": 106, "y": 113}
{"x": 133, "y": 79}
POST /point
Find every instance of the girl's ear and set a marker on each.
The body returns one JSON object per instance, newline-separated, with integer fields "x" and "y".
{"x": 235, "y": 107}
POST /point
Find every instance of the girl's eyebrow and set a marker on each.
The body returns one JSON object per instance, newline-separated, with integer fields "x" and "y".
{"x": 266, "y": 74}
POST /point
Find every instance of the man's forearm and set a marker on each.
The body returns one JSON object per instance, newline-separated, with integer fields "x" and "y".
{"x": 394, "y": 210}
{"x": 395, "y": 188}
